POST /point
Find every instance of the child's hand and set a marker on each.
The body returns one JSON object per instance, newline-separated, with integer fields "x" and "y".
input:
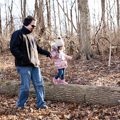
{"x": 49, "y": 58}
{"x": 70, "y": 57}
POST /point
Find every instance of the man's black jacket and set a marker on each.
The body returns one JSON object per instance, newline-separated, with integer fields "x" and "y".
{"x": 19, "y": 50}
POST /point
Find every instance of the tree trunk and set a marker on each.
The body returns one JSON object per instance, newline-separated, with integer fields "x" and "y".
{"x": 66, "y": 29}
{"x": 23, "y": 8}
{"x": 85, "y": 29}
{"x": 38, "y": 13}
{"x": 71, "y": 16}
{"x": 103, "y": 17}
{"x": 81, "y": 94}
{"x": 78, "y": 27}
{"x": 68, "y": 22}
{"x": 55, "y": 23}
{"x": 0, "y": 23}
{"x": 41, "y": 18}
{"x": 6, "y": 21}
{"x": 11, "y": 17}
{"x": 103, "y": 11}
{"x": 1, "y": 40}
{"x": 118, "y": 13}
{"x": 48, "y": 14}
{"x": 59, "y": 19}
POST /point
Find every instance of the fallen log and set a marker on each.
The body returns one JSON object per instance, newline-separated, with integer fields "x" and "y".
{"x": 81, "y": 94}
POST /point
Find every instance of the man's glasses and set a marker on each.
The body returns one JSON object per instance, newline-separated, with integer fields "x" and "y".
{"x": 33, "y": 26}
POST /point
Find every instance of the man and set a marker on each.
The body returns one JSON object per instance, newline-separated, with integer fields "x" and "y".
{"x": 25, "y": 50}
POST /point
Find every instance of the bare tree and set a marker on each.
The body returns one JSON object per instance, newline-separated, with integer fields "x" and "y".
{"x": 59, "y": 19}
{"x": 6, "y": 21}
{"x": 85, "y": 28}
{"x": 66, "y": 14}
{"x": 103, "y": 15}
{"x": 65, "y": 18}
{"x": 68, "y": 21}
{"x": 0, "y": 23}
{"x": 1, "y": 46}
{"x": 11, "y": 17}
{"x": 54, "y": 12}
{"x": 71, "y": 15}
{"x": 23, "y": 8}
{"x": 48, "y": 6}
{"x": 118, "y": 13}
{"x": 35, "y": 8}
{"x": 77, "y": 15}
{"x": 38, "y": 13}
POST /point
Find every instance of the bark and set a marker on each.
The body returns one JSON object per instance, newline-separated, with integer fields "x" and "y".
{"x": 103, "y": 11}
{"x": 118, "y": 13}
{"x": 78, "y": 26}
{"x": 0, "y": 23}
{"x": 6, "y": 21}
{"x": 66, "y": 29}
{"x": 38, "y": 14}
{"x": 23, "y": 8}
{"x": 59, "y": 19}
{"x": 11, "y": 17}
{"x": 68, "y": 21}
{"x": 55, "y": 23}
{"x": 48, "y": 2}
{"x": 76, "y": 15}
{"x": 73, "y": 93}
{"x": 103, "y": 17}
{"x": 71, "y": 16}
{"x": 85, "y": 29}
{"x": 1, "y": 40}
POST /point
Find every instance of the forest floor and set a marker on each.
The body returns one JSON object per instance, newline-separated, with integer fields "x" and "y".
{"x": 92, "y": 72}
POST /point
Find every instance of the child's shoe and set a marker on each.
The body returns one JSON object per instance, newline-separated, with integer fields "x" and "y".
{"x": 62, "y": 82}
{"x": 55, "y": 81}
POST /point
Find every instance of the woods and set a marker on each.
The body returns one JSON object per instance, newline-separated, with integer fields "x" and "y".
{"x": 95, "y": 30}
{"x": 90, "y": 30}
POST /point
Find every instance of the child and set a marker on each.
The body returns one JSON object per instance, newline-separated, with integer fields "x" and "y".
{"x": 60, "y": 61}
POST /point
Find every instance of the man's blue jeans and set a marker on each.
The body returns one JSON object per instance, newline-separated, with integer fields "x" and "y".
{"x": 27, "y": 74}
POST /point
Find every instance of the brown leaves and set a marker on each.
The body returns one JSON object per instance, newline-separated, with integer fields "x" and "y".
{"x": 94, "y": 72}
{"x": 56, "y": 111}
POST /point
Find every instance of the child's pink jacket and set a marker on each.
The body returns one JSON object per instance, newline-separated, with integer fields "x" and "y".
{"x": 60, "y": 59}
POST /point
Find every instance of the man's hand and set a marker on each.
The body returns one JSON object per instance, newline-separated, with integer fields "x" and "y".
{"x": 49, "y": 55}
